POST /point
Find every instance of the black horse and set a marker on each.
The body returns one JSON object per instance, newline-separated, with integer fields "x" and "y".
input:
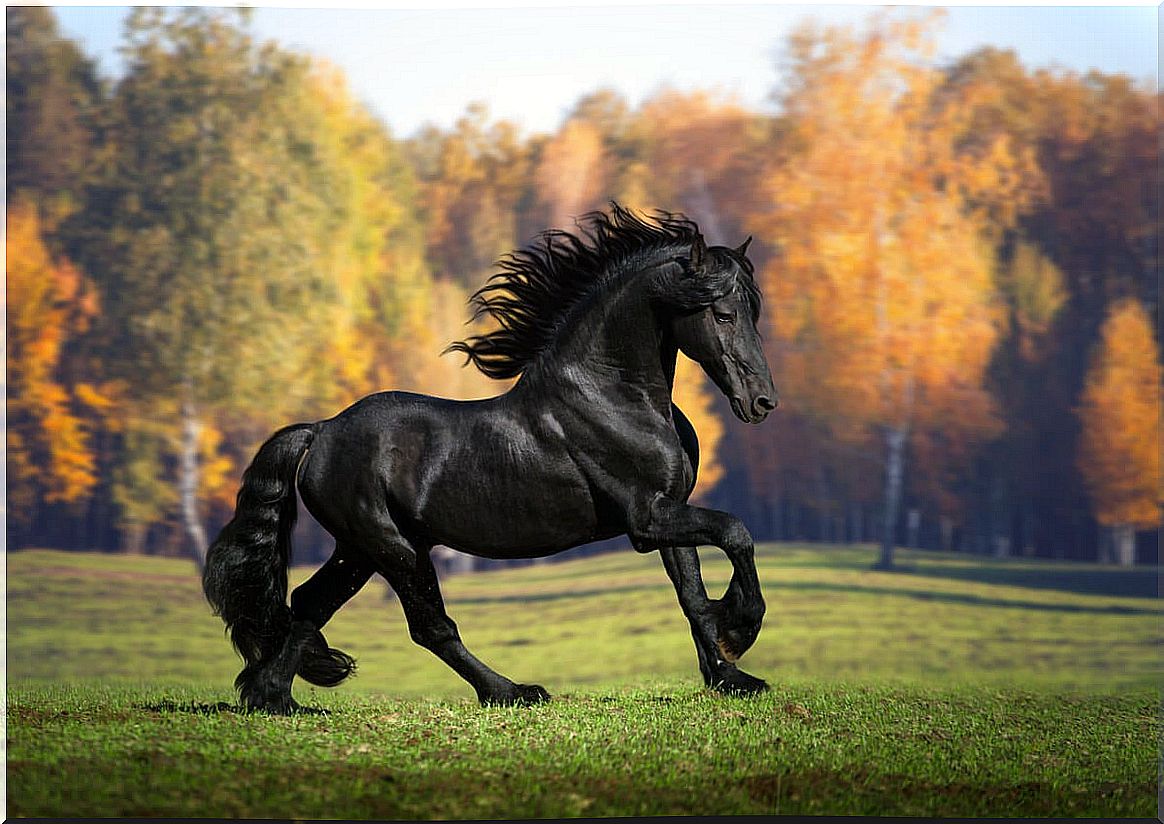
{"x": 585, "y": 446}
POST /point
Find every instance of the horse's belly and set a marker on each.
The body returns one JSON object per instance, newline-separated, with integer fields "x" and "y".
{"x": 523, "y": 516}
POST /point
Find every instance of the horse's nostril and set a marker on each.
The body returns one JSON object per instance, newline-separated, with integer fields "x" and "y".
{"x": 764, "y": 403}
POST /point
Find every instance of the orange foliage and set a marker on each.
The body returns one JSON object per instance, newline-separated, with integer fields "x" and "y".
{"x": 1119, "y": 451}
{"x": 49, "y": 454}
{"x": 883, "y": 295}
{"x": 693, "y": 394}
{"x": 697, "y": 150}
{"x": 421, "y": 366}
{"x": 570, "y": 177}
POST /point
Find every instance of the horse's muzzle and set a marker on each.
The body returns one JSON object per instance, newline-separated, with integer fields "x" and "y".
{"x": 762, "y": 405}
{"x": 754, "y": 411}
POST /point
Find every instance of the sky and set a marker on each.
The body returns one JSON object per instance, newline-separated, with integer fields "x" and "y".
{"x": 530, "y": 61}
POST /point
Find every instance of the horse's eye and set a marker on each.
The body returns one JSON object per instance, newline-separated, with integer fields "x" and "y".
{"x": 724, "y": 318}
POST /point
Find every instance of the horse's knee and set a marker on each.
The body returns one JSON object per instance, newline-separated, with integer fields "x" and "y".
{"x": 737, "y": 540}
{"x": 433, "y": 633}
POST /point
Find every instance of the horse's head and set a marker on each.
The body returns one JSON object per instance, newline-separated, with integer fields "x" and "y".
{"x": 713, "y": 306}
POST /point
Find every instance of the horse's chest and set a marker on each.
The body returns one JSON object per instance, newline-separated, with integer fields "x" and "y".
{"x": 668, "y": 470}
{"x": 630, "y": 463}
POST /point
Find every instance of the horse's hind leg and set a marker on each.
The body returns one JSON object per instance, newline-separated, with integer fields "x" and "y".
{"x": 703, "y": 614}
{"x": 315, "y": 601}
{"x": 266, "y": 684}
{"x": 410, "y": 572}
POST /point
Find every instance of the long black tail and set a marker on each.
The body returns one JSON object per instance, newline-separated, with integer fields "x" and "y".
{"x": 245, "y": 578}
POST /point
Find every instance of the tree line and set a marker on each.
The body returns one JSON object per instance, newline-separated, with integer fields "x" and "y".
{"x": 956, "y": 263}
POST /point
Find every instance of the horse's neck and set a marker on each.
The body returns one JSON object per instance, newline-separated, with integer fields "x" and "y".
{"x": 619, "y": 348}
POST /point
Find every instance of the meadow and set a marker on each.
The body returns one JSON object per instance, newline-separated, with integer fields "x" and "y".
{"x": 958, "y": 686}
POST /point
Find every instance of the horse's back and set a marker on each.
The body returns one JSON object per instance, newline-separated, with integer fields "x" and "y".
{"x": 478, "y": 476}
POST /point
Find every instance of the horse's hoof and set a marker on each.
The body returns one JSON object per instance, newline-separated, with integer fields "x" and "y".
{"x": 258, "y": 696}
{"x": 519, "y": 695}
{"x": 739, "y": 684}
{"x": 282, "y": 705}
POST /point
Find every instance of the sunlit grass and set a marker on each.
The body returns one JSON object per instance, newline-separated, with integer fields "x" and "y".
{"x": 958, "y": 687}
{"x": 614, "y": 619}
{"x": 663, "y": 748}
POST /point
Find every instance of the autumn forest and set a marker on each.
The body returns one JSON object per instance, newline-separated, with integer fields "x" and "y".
{"x": 957, "y": 261}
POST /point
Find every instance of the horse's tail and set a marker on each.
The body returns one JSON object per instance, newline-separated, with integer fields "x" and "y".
{"x": 245, "y": 578}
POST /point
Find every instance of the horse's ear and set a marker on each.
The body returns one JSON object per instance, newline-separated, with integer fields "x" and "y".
{"x": 692, "y": 264}
{"x": 742, "y": 249}
{"x": 698, "y": 251}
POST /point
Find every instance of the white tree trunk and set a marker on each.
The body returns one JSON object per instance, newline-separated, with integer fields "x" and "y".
{"x": 188, "y": 484}
{"x": 1123, "y": 544}
{"x": 894, "y": 471}
{"x": 913, "y": 524}
{"x": 946, "y": 526}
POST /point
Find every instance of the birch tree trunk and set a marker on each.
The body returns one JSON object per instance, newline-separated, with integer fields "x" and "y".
{"x": 1123, "y": 544}
{"x": 188, "y": 483}
{"x": 946, "y": 528}
{"x": 894, "y": 471}
{"x": 913, "y": 521}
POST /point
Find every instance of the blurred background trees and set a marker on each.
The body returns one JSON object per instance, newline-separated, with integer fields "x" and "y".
{"x": 1119, "y": 450}
{"x": 957, "y": 262}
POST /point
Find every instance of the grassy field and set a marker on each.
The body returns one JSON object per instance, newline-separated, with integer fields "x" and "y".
{"x": 957, "y": 687}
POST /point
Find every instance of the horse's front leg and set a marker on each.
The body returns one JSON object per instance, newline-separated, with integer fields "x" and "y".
{"x": 667, "y": 523}
{"x": 703, "y": 614}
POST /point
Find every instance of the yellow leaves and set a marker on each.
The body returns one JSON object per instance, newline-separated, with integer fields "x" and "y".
{"x": 1036, "y": 290}
{"x": 693, "y": 393}
{"x": 883, "y": 297}
{"x": 48, "y": 442}
{"x": 421, "y": 370}
{"x": 1119, "y": 451}
{"x": 99, "y": 399}
{"x": 570, "y": 176}
{"x": 218, "y": 480}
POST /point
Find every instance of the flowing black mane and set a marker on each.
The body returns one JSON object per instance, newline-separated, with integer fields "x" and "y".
{"x": 537, "y": 287}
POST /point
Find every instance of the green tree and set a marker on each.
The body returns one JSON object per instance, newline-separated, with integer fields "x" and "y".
{"x": 53, "y": 95}
{"x": 227, "y": 224}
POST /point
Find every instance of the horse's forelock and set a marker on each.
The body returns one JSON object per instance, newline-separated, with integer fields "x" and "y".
{"x": 724, "y": 273}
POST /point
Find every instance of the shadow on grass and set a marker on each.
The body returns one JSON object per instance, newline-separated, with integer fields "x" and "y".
{"x": 1058, "y": 580}
{"x": 959, "y": 598}
{"x": 1078, "y": 577}
{"x": 538, "y": 597}
{"x": 218, "y": 708}
{"x": 1120, "y": 583}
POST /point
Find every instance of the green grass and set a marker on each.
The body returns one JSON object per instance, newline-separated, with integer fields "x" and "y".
{"x": 960, "y": 687}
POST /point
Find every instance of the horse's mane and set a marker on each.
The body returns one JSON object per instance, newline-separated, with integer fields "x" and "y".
{"x": 538, "y": 287}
